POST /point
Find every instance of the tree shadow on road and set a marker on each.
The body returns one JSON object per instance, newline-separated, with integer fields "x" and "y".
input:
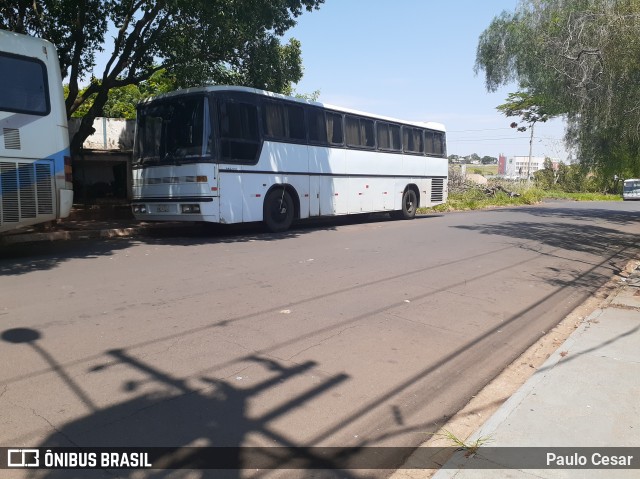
{"x": 562, "y": 240}
{"x": 29, "y": 257}
{"x": 179, "y": 418}
{"x": 24, "y": 258}
{"x": 580, "y": 213}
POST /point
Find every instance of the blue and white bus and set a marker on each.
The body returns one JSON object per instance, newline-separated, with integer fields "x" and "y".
{"x": 235, "y": 154}
{"x": 35, "y": 165}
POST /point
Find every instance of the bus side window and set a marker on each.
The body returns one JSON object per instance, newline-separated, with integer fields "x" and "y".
{"x": 384, "y": 140}
{"x": 439, "y": 149}
{"x": 240, "y": 141}
{"x": 394, "y": 131}
{"x": 283, "y": 122}
{"x": 360, "y": 132}
{"x": 430, "y": 143}
{"x": 317, "y": 126}
{"x": 334, "y": 128}
{"x": 412, "y": 140}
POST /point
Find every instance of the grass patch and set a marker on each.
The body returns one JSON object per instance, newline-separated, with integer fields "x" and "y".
{"x": 561, "y": 195}
{"x": 483, "y": 169}
{"x": 470, "y": 448}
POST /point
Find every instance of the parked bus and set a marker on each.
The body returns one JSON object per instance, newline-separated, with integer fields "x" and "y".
{"x": 235, "y": 154}
{"x": 35, "y": 166}
{"x": 631, "y": 189}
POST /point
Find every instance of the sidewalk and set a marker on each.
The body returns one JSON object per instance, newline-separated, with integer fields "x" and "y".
{"x": 87, "y": 226}
{"x": 587, "y": 394}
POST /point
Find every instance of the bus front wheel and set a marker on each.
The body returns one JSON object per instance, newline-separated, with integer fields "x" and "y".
{"x": 409, "y": 206}
{"x": 278, "y": 210}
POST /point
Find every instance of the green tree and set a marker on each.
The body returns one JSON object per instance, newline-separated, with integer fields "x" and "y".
{"x": 196, "y": 41}
{"x": 546, "y": 178}
{"x": 473, "y": 157}
{"x": 582, "y": 59}
{"x": 122, "y": 102}
{"x": 531, "y": 110}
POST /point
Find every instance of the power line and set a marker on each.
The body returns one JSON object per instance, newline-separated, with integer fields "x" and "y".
{"x": 486, "y": 129}
{"x": 507, "y": 139}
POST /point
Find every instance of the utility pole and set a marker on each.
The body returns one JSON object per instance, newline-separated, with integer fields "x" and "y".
{"x": 530, "y": 154}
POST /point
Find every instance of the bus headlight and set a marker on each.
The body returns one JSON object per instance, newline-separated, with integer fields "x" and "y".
{"x": 140, "y": 209}
{"x": 190, "y": 209}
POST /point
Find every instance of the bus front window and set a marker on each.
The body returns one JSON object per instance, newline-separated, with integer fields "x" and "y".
{"x": 173, "y": 131}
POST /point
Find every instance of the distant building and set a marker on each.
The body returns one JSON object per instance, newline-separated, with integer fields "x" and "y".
{"x": 502, "y": 164}
{"x": 517, "y": 166}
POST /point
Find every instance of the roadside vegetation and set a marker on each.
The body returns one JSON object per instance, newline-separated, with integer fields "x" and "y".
{"x": 576, "y": 59}
{"x": 566, "y": 182}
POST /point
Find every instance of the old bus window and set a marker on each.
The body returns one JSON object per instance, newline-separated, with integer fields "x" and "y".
{"x": 334, "y": 128}
{"x": 23, "y": 85}
{"x": 435, "y": 143}
{"x": 283, "y": 121}
{"x": 429, "y": 143}
{"x": 317, "y": 126}
{"x": 388, "y": 137}
{"x": 383, "y": 136}
{"x": 360, "y": 132}
{"x": 412, "y": 140}
{"x": 439, "y": 144}
{"x": 240, "y": 140}
{"x": 295, "y": 117}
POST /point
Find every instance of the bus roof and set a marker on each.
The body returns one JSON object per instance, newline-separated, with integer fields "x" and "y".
{"x": 24, "y": 44}
{"x": 256, "y": 91}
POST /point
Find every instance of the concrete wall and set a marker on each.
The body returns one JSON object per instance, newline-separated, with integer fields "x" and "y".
{"x": 111, "y": 133}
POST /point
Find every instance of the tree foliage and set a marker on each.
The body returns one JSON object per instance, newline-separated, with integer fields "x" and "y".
{"x": 529, "y": 107}
{"x": 579, "y": 58}
{"x": 122, "y": 101}
{"x": 195, "y": 41}
{"x": 571, "y": 179}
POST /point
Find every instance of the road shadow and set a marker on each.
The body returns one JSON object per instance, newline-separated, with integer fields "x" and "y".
{"x": 24, "y": 258}
{"x": 561, "y": 239}
{"x": 179, "y": 419}
{"x": 615, "y": 216}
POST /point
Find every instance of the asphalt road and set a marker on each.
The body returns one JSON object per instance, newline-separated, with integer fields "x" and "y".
{"x": 337, "y": 333}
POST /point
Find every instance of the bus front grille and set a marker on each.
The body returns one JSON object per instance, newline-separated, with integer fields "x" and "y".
{"x": 437, "y": 190}
{"x": 26, "y": 191}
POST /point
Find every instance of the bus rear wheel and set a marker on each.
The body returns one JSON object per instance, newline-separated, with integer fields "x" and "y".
{"x": 278, "y": 210}
{"x": 409, "y": 206}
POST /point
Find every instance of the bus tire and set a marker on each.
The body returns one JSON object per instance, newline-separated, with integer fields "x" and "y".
{"x": 409, "y": 206}
{"x": 278, "y": 211}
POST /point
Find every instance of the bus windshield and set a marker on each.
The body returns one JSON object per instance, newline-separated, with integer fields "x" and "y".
{"x": 173, "y": 131}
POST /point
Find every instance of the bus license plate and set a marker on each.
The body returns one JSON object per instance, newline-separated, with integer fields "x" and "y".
{"x": 162, "y": 209}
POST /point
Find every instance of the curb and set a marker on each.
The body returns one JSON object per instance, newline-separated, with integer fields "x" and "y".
{"x": 71, "y": 235}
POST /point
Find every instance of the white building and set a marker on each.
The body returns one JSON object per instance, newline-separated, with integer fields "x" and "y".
{"x": 517, "y": 166}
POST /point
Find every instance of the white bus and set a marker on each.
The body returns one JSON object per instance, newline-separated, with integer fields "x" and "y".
{"x": 35, "y": 166}
{"x": 235, "y": 154}
{"x": 631, "y": 189}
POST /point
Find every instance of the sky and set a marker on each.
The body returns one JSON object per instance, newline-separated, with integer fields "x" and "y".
{"x": 413, "y": 60}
